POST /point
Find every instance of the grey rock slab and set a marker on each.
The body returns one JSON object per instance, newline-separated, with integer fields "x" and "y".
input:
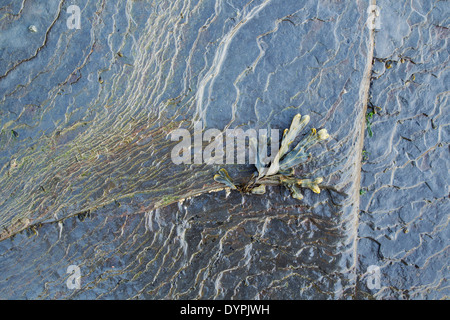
{"x": 86, "y": 177}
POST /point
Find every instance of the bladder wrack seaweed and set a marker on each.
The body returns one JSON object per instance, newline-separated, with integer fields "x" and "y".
{"x": 280, "y": 171}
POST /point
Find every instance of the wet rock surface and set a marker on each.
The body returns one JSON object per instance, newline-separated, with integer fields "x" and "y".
{"x": 405, "y": 207}
{"x": 86, "y": 177}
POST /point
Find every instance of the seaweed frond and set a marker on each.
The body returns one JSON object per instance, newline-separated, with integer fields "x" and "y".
{"x": 223, "y": 177}
{"x": 280, "y": 170}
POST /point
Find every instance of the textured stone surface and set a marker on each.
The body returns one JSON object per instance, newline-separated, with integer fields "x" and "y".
{"x": 86, "y": 176}
{"x": 405, "y": 210}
